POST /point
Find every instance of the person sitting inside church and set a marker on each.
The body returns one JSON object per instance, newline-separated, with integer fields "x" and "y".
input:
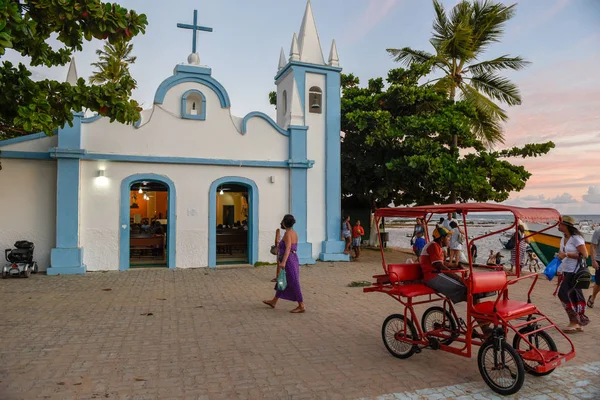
{"x": 145, "y": 226}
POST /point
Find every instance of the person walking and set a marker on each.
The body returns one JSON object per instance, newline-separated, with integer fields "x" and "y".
{"x": 289, "y": 260}
{"x": 347, "y": 234}
{"x": 572, "y": 249}
{"x": 456, "y": 239}
{"x": 275, "y": 250}
{"x": 595, "y": 255}
{"x": 357, "y": 234}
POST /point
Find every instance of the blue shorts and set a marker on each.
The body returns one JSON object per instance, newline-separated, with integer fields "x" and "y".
{"x": 356, "y": 242}
{"x": 597, "y": 276}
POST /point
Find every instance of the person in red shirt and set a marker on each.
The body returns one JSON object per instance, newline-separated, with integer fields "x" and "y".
{"x": 357, "y": 234}
{"x": 432, "y": 260}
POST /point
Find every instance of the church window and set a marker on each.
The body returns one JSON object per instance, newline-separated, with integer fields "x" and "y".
{"x": 193, "y": 105}
{"x": 284, "y": 101}
{"x": 315, "y": 100}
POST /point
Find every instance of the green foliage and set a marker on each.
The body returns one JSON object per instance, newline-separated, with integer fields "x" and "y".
{"x": 459, "y": 40}
{"x": 273, "y": 98}
{"x": 397, "y": 145}
{"x": 113, "y": 63}
{"x": 27, "y": 106}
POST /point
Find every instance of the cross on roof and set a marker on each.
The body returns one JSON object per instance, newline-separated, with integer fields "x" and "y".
{"x": 195, "y": 27}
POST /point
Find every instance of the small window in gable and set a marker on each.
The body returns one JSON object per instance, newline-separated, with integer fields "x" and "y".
{"x": 193, "y": 105}
{"x": 284, "y": 101}
{"x": 315, "y": 100}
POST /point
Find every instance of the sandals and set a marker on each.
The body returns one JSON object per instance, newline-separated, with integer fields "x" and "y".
{"x": 590, "y": 303}
{"x": 298, "y": 310}
{"x": 268, "y": 303}
{"x": 572, "y": 329}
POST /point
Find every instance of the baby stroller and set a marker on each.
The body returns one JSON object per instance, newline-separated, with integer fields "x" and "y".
{"x": 20, "y": 259}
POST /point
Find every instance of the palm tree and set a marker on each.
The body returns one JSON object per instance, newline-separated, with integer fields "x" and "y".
{"x": 459, "y": 40}
{"x": 113, "y": 63}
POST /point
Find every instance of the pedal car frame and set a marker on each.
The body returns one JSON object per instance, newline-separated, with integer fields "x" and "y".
{"x": 404, "y": 335}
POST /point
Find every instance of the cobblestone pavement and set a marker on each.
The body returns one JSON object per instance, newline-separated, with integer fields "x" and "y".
{"x": 204, "y": 334}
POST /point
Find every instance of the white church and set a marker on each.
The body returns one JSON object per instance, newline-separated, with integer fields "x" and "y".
{"x": 189, "y": 184}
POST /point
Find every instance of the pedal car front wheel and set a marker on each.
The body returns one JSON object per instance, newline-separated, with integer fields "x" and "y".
{"x": 501, "y": 367}
{"x": 540, "y": 340}
{"x": 395, "y": 331}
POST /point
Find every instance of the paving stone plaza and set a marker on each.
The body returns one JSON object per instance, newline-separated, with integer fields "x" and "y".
{"x": 204, "y": 334}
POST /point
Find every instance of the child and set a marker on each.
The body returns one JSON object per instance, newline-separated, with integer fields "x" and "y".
{"x": 491, "y": 258}
{"x": 420, "y": 242}
{"x": 474, "y": 253}
{"x": 357, "y": 234}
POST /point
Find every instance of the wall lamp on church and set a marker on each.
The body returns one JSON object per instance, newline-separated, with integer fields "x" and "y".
{"x": 101, "y": 179}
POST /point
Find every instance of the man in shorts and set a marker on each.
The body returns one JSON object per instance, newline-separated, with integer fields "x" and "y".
{"x": 595, "y": 255}
{"x": 357, "y": 234}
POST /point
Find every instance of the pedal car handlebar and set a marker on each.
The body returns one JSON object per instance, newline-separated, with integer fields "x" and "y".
{"x": 513, "y": 281}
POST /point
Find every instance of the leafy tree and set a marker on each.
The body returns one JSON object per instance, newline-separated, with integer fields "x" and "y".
{"x": 396, "y": 145}
{"x": 459, "y": 40}
{"x": 27, "y": 106}
{"x": 113, "y": 63}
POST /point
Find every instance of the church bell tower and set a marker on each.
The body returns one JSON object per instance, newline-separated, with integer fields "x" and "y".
{"x": 308, "y": 100}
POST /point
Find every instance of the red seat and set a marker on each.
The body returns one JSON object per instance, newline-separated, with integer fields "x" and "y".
{"x": 492, "y": 281}
{"x": 505, "y": 308}
{"x": 404, "y": 272}
{"x": 413, "y": 290}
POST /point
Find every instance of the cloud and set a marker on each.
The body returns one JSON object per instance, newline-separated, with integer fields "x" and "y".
{"x": 376, "y": 11}
{"x": 592, "y": 195}
{"x": 564, "y": 198}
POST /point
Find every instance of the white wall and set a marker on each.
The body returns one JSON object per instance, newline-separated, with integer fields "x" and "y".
{"x": 316, "y": 175}
{"x": 28, "y": 204}
{"x": 100, "y": 208}
{"x": 166, "y": 134}
{"x": 42, "y": 144}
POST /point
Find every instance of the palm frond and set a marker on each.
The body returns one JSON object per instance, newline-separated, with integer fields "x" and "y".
{"x": 497, "y": 87}
{"x": 481, "y": 102}
{"x": 488, "y": 21}
{"x": 441, "y": 28}
{"x": 408, "y": 56}
{"x": 459, "y": 45}
{"x": 488, "y": 129}
{"x": 498, "y": 64}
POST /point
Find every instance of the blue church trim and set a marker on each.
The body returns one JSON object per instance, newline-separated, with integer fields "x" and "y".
{"x": 67, "y": 256}
{"x": 125, "y": 228}
{"x": 187, "y": 73}
{"x": 252, "y": 222}
{"x": 332, "y": 247}
{"x": 25, "y": 155}
{"x": 299, "y": 191}
{"x": 201, "y": 115}
{"x": 264, "y": 116}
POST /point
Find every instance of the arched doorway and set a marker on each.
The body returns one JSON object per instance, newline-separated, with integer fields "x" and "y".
{"x": 233, "y": 222}
{"x": 147, "y": 231}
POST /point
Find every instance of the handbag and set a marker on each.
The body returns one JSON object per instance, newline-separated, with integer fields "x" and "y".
{"x": 281, "y": 280}
{"x": 274, "y": 250}
{"x": 551, "y": 268}
{"x": 581, "y": 278}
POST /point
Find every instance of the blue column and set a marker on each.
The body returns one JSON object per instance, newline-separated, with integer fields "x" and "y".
{"x": 67, "y": 256}
{"x": 299, "y": 190}
{"x": 333, "y": 246}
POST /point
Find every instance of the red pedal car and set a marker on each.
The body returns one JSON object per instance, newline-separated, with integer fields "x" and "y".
{"x": 501, "y": 364}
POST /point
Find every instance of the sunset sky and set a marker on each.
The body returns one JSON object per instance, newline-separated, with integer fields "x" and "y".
{"x": 561, "y": 89}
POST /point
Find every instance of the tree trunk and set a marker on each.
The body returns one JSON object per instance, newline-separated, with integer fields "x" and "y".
{"x": 453, "y": 148}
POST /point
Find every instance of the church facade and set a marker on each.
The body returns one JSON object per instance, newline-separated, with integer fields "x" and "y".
{"x": 189, "y": 184}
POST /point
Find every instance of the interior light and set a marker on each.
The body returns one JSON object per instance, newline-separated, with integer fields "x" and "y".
{"x": 221, "y": 192}
{"x": 140, "y": 191}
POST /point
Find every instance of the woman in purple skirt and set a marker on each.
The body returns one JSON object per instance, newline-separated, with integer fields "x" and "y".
{"x": 289, "y": 260}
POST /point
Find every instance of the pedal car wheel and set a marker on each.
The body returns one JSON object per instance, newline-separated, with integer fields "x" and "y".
{"x": 4, "y": 275}
{"x": 27, "y": 273}
{"x": 502, "y": 369}
{"x": 396, "y": 328}
{"x": 35, "y": 268}
{"x": 433, "y": 319}
{"x": 540, "y": 340}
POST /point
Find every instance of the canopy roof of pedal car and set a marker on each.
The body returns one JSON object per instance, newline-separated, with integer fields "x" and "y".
{"x": 536, "y": 215}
